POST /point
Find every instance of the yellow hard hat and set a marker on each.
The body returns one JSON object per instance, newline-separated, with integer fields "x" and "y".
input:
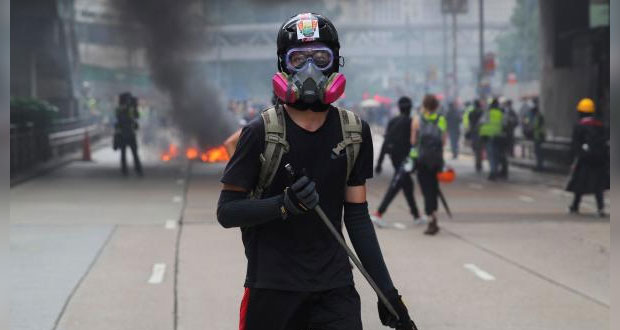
{"x": 586, "y": 105}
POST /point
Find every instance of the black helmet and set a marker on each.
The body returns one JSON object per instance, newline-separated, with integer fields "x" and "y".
{"x": 405, "y": 104}
{"x": 124, "y": 98}
{"x": 287, "y": 37}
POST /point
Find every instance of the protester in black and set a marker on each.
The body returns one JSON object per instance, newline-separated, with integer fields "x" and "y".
{"x": 298, "y": 277}
{"x": 397, "y": 144}
{"x": 126, "y": 125}
{"x": 473, "y": 120}
{"x": 590, "y": 149}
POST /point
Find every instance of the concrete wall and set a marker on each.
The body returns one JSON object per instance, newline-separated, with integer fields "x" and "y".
{"x": 43, "y": 53}
{"x": 573, "y": 66}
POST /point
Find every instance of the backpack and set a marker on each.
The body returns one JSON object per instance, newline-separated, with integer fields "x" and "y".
{"x": 510, "y": 120}
{"x": 276, "y": 144}
{"x": 430, "y": 146}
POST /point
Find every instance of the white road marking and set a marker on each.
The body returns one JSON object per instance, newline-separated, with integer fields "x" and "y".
{"x": 483, "y": 275}
{"x": 560, "y": 192}
{"x": 476, "y": 186}
{"x": 526, "y": 199}
{"x": 171, "y": 224}
{"x": 556, "y": 191}
{"x": 399, "y": 225}
{"x": 157, "y": 275}
{"x": 177, "y": 199}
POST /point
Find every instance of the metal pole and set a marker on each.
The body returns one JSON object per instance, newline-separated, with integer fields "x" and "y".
{"x": 481, "y": 45}
{"x": 33, "y": 74}
{"x": 445, "y": 54}
{"x": 454, "y": 58}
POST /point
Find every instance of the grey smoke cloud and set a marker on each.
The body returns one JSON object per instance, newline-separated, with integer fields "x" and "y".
{"x": 170, "y": 32}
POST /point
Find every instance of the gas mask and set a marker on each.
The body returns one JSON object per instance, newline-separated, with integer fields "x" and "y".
{"x": 310, "y": 83}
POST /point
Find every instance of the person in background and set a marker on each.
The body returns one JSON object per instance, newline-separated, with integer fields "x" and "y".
{"x": 126, "y": 125}
{"x": 590, "y": 149}
{"x": 511, "y": 121}
{"x": 491, "y": 131}
{"x": 428, "y": 137}
{"x": 537, "y": 124}
{"x": 471, "y": 123}
{"x": 397, "y": 144}
{"x": 453, "y": 117}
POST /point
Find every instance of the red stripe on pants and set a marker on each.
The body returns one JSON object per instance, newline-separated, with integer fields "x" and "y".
{"x": 244, "y": 308}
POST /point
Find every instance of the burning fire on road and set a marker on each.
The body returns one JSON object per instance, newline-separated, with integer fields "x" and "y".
{"x": 217, "y": 154}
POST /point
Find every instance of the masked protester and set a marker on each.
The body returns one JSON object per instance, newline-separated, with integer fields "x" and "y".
{"x": 428, "y": 137}
{"x": 590, "y": 148}
{"x": 397, "y": 144}
{"x": 298, "y": 276}
{"x": 125, "y": 130}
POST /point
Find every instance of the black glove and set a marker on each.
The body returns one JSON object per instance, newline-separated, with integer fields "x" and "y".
{"x": 301, "y": 196}
{"x": 378, "y": 169}
{"x": 404, "y": 322}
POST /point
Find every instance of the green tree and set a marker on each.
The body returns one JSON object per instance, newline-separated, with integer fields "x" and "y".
{"x": 518, "y": 47}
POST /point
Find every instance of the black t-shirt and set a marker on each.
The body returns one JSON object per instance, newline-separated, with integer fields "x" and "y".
{"x": 299, "y": 253}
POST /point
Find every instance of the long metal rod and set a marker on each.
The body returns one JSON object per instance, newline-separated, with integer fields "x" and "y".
{"x": 356, "y": 261}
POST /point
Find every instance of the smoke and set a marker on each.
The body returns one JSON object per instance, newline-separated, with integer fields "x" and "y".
{"x": 172, "y": 32}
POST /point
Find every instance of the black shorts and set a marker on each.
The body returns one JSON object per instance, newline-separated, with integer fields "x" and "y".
{"x": 266, "y": 309}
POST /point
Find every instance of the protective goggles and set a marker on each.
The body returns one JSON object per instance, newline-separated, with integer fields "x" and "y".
{"x": 321, "y": 56}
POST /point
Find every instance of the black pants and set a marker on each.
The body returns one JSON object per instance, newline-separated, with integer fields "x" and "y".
{"x": 130, "y": 141}
{"x": 538, "y": 153}
{"x": 267, "y": 309}
{"x": 427, "y": 177}
{"x": 477, "y": 145}
{"x": 600, "y": 203}
{"x": 404, "y": 181}
{"x": 502, "y": 157}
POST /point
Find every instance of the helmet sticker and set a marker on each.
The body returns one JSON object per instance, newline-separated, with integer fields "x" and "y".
{"x": 307, "y": 28}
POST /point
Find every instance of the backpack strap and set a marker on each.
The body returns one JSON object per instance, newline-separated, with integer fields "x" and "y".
{"x": 275, "y": 147}
{"x": 351, "y": 138}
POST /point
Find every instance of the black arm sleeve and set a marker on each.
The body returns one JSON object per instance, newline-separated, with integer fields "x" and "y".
{"x": 366, "y": 245}
{"x": 234, "y": 209}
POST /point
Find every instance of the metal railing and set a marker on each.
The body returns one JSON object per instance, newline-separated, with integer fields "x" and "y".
{"x": 556, "y": 152}
{"x": 30, "y": 146}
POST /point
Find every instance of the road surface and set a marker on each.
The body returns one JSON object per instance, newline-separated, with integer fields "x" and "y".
{"x": 93, "y": 250}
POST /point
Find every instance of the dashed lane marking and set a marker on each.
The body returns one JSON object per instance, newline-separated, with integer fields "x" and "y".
{"x": 157, "y": 275}
{"x": 476, "y": 186}
{"x": 526, "y": 199}
{"x": 171, "y": 224}
{"x": 483, "y": 275}
{"x": 177, "y": 199}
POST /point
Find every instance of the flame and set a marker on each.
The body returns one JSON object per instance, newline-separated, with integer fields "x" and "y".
{"x": 191, "y": 153}
{"x": 215, "y": 155}
{"x": 173, "y": 150}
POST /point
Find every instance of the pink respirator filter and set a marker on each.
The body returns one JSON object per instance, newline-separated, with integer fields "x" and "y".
{"x": 281, "y": 89}
{"x": 335, "y": 88}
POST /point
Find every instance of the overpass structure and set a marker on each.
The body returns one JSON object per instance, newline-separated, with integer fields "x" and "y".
{"x": 256, "y": 42}
{"x": 387, "y": 54}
